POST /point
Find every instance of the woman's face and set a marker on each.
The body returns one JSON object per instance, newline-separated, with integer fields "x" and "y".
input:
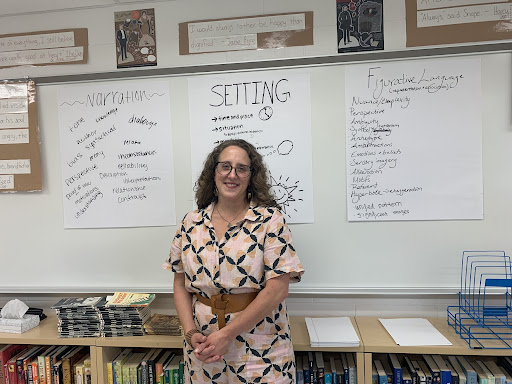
{"x": 231, "y": 187}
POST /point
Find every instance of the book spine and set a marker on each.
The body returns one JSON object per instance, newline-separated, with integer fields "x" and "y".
{"x": 27, "y": 367}
{"x": 307, "y": 376}
{"x": 446, "y": 377}
{"x": 300, "y": 376}
{"x": 151, "y": 372}
{"x": 110, "y": 373}
{"x": 35, "y": 372}
{"x": 47, "y": 370}
{"x": 66, "y": 371}
{"x": 159, "y": 370}
{"x": 20, "y": 374}
{"x": 79, "y": 378}
{"x": 125, "y": 374}
{"x": 118, "y": 374}
{"x": 144, "y": 372}
{"x": 327, "y": 378}
{"x": 42, "y": 373}
{"x": 12, "y": 377}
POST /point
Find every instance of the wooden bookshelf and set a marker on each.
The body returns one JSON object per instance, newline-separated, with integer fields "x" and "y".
{"x": 302, "y": 343}
{"x": 373, "y": 336}
{"x": 46, "y": 334}
{"x": 376, "y": 339}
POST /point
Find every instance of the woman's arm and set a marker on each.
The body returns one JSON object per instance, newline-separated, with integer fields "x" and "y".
{"x": 275, "y": 291}
{"x": 183, "y": 303}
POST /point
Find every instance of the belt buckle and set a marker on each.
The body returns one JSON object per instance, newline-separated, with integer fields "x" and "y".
{"x": 218, "y": 302}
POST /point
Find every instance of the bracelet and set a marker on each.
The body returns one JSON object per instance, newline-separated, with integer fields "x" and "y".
{"x": 188, "y": 335}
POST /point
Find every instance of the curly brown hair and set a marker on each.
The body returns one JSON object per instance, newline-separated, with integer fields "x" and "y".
{"x": 258, "y": 186}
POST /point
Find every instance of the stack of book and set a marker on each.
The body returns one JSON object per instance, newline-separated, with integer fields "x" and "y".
{"x": 163, "y": 325}
{"x": 124, "y": 314}
{"x": 79, "y": 317}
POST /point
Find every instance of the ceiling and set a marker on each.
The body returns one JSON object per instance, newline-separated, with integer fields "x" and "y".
{"x": 25, "y": 7}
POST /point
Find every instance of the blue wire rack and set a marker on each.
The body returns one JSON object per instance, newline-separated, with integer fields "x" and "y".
{"x": 483, "y": 317}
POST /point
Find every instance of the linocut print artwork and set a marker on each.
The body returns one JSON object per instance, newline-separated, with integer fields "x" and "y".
{"x": 135, "y": 38}
{"x": 360, "y": 25}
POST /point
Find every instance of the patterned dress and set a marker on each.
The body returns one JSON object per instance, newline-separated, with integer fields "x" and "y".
{"x": 256, "y": 249}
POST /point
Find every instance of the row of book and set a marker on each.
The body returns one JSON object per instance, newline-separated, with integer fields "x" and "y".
{"x": 326, "y": 368}
{"x": 439, "y": 369}
{"x": 143, "y": 366}
{"x": 23, "y": 364}
{"x": 123, "y": 314}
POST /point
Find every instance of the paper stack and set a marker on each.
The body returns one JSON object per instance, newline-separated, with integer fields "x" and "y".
{"x": 414, "y": 332}
{"x": 331, "y": 332}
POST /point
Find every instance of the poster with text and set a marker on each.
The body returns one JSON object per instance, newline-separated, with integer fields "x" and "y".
{"x": 272, "y": 111}
{"x": 414, "y": 140}
{"x": 116, "y": 154}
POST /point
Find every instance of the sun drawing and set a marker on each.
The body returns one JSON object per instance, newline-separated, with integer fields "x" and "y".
{"x": 283, "y": 193}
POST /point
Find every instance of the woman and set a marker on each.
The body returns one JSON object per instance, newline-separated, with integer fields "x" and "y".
{"x": 145, "y": 26}
{"x": 233, "y": 260}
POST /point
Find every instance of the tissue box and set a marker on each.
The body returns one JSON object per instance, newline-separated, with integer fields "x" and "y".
{"x": 19, "y": 325}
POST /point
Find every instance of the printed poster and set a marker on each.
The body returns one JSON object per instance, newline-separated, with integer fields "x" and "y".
{"x": 414, "y": 140}
{"x": 269, "y": 109}
{"x": 116, "y": 154}
{"x": 360, "y": 25}
{"x": 135, "y": 38}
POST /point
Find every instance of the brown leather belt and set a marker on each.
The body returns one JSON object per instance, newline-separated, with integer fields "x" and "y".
{"x": 227, "y": 303}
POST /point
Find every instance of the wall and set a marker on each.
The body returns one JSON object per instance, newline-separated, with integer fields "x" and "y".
{"x": 412, "y": 249}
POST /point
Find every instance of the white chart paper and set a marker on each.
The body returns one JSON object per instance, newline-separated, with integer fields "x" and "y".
{"x": 271, "y": 110}
{"x": 414, "y": 140}
{"x": 116, "y": 153}
{"x": 414, "y": 332}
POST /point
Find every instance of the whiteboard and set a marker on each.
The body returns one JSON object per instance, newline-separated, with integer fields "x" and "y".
{"x": 39, "y": 255}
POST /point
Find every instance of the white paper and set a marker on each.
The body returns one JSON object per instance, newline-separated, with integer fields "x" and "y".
{"x": 246, "y": 26}
{"x": 14, "y": 120}
{"x": 116, "y": 155}
{"x": 223, "y": 43}
{"x": 14, "y": 136}
{"x": 14, "y": 105}
{"x": 422, "y": 4}
{"x": 414, "y": 331}
{"x": 45, "y": 40}
{"x": 462, "y": 15}
{"x": 414, "y": 140}
{"x": 331, "y": 332}
{"x": 41, "y": 56}
{"x": 271, "y": 110}
{"x": 15, "y": 167}
{"x": 6, "y": 181}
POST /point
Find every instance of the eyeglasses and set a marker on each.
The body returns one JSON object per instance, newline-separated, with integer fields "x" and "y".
{"x": 224, "y": 169}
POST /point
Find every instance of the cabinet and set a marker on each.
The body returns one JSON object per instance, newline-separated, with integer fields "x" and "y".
{"x": 301, "y": 342}
{"x": 103, "y": 350}
{"x": 376, "y": 339}
{"x": 373, "y": 336}
{"x": 46, "y": 334}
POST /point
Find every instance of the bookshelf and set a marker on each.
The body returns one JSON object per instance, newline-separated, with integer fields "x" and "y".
{"x": 373, "y": 336}
{"x": 301, "y": 343}
{"x": 46, "y": 334}
{"x": 376, "y": 339}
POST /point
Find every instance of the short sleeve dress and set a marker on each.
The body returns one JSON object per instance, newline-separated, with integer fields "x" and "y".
{"x": 255, "y": 249}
